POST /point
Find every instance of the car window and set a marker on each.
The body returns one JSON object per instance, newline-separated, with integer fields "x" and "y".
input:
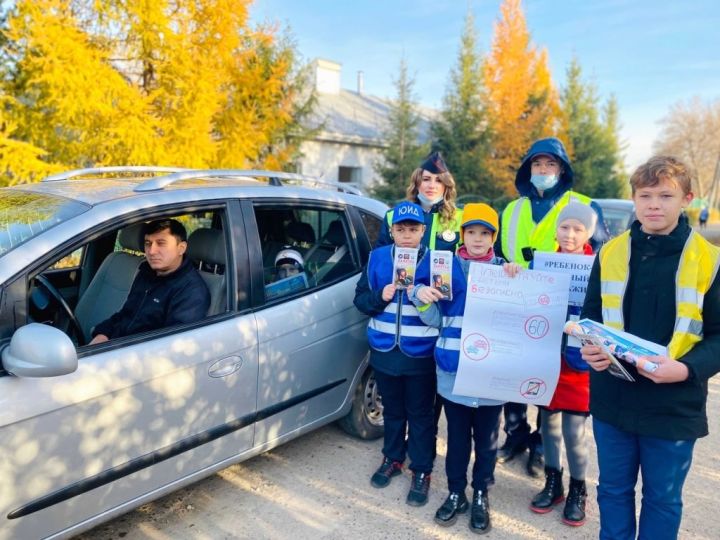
{"x": 372, "y": 226}
{"x": 302, "y": 248}
{"x": 69, "y": 261}
{"x": 110, "y": 272}
{"x": 191, "y": 222}
{"x": 617, "y": 219}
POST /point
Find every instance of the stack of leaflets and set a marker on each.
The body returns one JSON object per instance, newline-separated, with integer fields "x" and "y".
{"x": 441, "y": 272}
{"x": 617, "y": 345}
{"x": 404, "y": 265}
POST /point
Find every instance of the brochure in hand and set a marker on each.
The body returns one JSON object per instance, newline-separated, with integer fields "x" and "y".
{"x": 618, "y": 345}
{"x": 288, "y": 285}
{"x": 404, "y": 265}
{"x": 441, "y": 272}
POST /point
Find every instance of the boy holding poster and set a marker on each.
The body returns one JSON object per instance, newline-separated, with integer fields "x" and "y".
{"x": 659, "y": 282}
{"x": 468, "y": 418}
{"x": 401, "y": 352}
{"x": 575, "y": 225}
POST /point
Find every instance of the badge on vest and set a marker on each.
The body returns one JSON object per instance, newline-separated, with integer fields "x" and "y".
{"x": 448, "y": 235}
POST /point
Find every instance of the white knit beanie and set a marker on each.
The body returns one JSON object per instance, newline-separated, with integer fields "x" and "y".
{"x": 584, "y": 213}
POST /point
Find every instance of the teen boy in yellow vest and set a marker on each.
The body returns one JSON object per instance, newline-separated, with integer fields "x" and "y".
{"x": 659, "y": 282}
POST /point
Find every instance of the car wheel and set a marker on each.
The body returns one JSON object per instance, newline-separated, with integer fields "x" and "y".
{"x": 365, "y": 419}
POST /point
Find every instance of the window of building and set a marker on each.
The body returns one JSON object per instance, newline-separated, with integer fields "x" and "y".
{"x": 350, "y": 174}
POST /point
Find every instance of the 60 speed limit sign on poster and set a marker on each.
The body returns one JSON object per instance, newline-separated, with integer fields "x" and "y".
{"x": 511, "y": 334}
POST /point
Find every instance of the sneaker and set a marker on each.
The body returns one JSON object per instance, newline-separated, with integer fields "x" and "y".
{"x": 418, "y": 494}
{"x": 388, "y": 468}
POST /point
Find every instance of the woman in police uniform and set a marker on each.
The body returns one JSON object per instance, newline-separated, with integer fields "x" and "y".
{"x": 432, "y": 187}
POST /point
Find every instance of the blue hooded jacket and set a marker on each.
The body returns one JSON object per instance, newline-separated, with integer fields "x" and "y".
{"x": 542, "y": 205}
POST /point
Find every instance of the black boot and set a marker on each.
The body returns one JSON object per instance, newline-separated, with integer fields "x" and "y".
{"x": 551, "y": 494}
{"x": 480, "y": 513}
{"x": 535, "y": 462}
{"x": 574, "y": 512}
{"x": 510, "y": 449}
{"x": 456, "y": 503}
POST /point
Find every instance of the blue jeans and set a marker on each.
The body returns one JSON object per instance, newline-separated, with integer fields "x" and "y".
{"x": 664, "y": 465}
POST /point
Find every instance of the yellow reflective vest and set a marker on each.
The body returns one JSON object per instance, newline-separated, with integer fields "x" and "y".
{"x": 697, "y": 269}
{"x": 518, "y": 230}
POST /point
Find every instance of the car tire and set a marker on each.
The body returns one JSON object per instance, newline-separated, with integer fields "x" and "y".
{"x": 365, "y": 419}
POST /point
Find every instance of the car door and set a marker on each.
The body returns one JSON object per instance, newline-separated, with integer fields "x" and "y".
{"x": 138, "y": 418}
{"x": 311, "y": 338}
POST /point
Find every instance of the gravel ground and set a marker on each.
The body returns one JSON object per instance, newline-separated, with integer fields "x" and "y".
{"x": 317, "y": 487}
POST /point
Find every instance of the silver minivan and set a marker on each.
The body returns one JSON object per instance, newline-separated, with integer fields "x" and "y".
{"x": 88, "y": 432}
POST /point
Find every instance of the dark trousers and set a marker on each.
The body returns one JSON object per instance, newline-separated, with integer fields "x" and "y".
{"x": 517, "y": 428}
{"x": 408, "y": 402}
{"x": 664, "y": 465}
{"x": 466, "y": 425}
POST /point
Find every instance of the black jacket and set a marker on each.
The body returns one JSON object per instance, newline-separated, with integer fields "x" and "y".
{"x": 669, "y": 411}
{"x": 158, "y": 302}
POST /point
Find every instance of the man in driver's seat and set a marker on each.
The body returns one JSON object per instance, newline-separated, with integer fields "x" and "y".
{"x": 167, "y": 290}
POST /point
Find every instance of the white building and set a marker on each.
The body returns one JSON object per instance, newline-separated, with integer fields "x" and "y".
{"x": 351, "y": 127}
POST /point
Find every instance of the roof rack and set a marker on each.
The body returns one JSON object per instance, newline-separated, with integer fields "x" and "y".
{"x": 94, "y": 171}
{"x": 275, "y": 178}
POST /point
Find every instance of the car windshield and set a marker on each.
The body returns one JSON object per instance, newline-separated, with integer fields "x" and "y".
{"x": 24, "y": 215}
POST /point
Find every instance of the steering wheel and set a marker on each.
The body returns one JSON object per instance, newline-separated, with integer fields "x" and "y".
{"x": 55, "y": 295}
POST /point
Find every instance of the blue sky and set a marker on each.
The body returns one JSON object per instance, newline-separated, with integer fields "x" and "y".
{"x": 650, "y": 54}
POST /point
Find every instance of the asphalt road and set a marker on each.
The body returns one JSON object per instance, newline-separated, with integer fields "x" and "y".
{"x": 317, "y": 487}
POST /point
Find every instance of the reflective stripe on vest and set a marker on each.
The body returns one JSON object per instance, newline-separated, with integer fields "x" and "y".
{"x": 518, "y": 230}
{"x": 696, "y": 271}
{"x": 399, "y": 324}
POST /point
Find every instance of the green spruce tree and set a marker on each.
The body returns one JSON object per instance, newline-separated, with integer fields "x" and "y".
{"x": 461, "y": 133}
{"x": 403, "y": 152}
{"x": 593, "y": 138}
{"x": 617, "y": 179}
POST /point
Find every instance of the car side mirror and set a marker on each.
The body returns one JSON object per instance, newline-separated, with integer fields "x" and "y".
{"x": 39, "y": 350}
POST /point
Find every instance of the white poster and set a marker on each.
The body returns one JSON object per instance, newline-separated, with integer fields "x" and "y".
{"x": 578, "y": 266}
{"x": 511, "y": 334}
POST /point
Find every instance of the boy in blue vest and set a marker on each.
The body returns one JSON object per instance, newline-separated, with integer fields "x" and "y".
{"x": 658, "y": 281}
{"x": 468, "y": 418}
{"x": 401, "y": 354}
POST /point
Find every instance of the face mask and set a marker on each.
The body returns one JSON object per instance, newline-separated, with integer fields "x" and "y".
{"x": 428, "y": 202}
{"x": 543, "y": 182}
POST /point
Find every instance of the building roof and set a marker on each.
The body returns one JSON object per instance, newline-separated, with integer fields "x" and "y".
{"x": 354, "y": 118}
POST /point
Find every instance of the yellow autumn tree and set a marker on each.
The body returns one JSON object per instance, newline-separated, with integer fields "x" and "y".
{"x": 168, "y": 82}
{"x": 522, "y": 102}
{"x": 19, "y": 161}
